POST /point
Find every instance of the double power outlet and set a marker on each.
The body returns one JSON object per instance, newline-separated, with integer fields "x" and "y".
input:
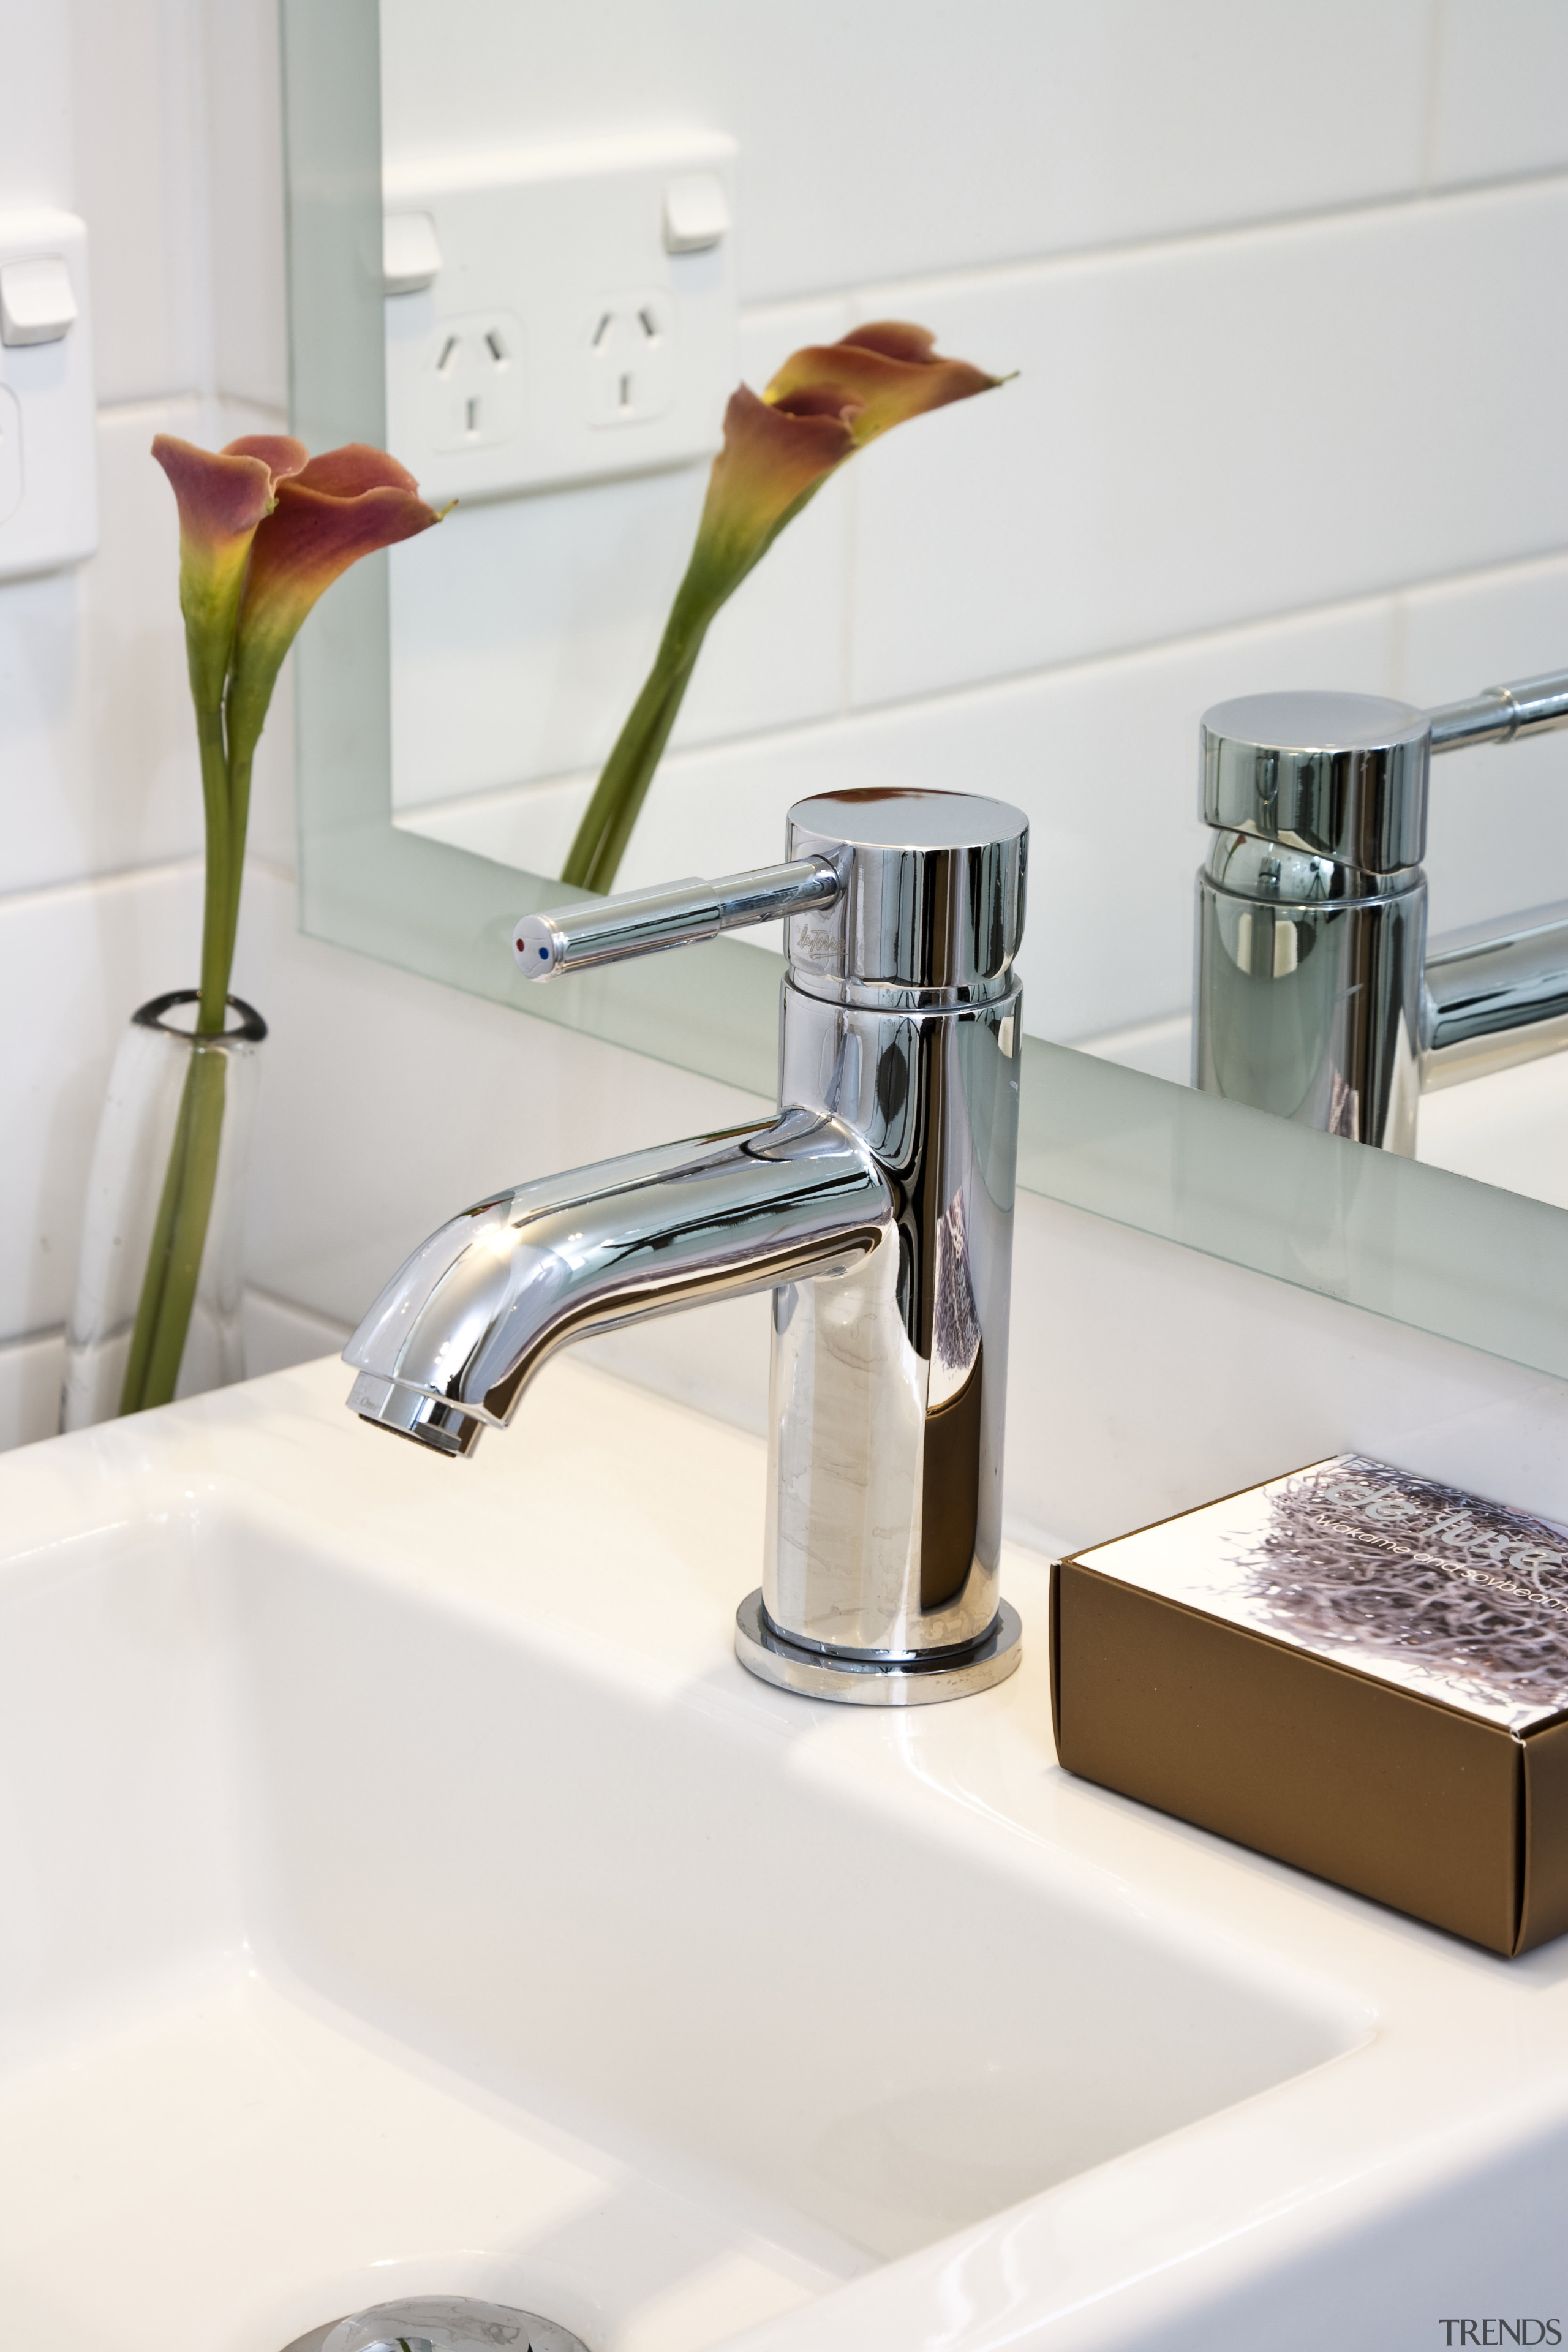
{"x": 554, "y": 320}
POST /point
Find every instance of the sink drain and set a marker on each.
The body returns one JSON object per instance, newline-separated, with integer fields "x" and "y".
{"x": 439, "y": 2322}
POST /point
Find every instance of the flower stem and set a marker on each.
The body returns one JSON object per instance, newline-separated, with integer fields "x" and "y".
{"x": 239, "y": 764}
{"x": 179, "y": 1237}
{"x": 601, "y": 838}
{"x": 217, "y": 930}
{"x": 716, "y": 570}
{"x": 185, "y": 1209}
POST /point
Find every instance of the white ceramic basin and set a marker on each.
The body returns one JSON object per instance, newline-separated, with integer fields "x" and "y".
{"x": 405, "y": 1890}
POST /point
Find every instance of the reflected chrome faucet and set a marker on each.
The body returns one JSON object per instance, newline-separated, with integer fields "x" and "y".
{"x": 1317, "y": 994}
{"x": 877, "y": 1207}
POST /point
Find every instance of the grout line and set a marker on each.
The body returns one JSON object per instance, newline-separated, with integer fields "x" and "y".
{"x": 119, "y": 878}
{"x": 153, "y": 404}
{"x": 328, "y": 1323}
{"x": 123, "y": 878}
{"x": 14, "y": 1342}
{"x": 149, "y": 404}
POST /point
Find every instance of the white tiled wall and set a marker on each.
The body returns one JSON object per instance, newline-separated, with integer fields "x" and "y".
{"x": 1281, "y": 280}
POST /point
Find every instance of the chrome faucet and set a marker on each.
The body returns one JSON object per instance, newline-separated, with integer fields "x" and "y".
{"x": 877, "y": 1207}
{"x": 1317, "y": 994}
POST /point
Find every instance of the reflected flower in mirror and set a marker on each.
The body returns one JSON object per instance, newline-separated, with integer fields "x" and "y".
{"x": 824, "y": 403}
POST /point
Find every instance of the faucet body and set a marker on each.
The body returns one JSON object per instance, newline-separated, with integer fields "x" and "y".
{"x": 877, "y": 1208}
{"x": 1317, "y": 994}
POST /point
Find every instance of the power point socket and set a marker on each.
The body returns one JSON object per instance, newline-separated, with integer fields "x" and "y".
{"x": 616, "y": 326}
{"x": 473, "y": 382}
{"x": 633, "y": 363}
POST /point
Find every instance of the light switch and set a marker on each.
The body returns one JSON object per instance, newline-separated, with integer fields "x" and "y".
{"x": 696, "y": 214}
{"x": 48, "y": 420}
{"x": 410, "y": 257}
{"x": 37, "y": 305}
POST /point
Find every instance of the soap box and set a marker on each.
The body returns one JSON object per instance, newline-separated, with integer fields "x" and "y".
{"x": 1361, "y": 1672}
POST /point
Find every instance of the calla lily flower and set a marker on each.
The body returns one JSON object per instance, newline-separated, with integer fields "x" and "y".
{"x": 222, "y": 496}
{"x": 343, "y": 505}
{"x": 880, "y": 375}
{"x": 826, "y": 401}
{"x": 264, "y": 529}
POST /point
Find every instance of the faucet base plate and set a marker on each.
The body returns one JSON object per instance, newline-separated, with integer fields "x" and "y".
{"x": 871, "y": 1682}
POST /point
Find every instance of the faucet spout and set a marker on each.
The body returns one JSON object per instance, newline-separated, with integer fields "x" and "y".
{"x": 459, "y": 1332}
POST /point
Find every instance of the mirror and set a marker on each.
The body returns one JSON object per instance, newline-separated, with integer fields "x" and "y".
{"x": 1230, "y": 444}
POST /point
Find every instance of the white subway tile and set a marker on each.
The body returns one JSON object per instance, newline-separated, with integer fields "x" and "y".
{"x": 883, "y": 140}
{"x": 1207, "y": 433}
{"x": 74, "y": 965}
{"x": 141, "y": 185}
{"x": 34, "y": 106}
{"x": 278, "y": 1333}
{"x": 1501, "y": 104}
{"x": 245, "y": 164}
{"x": 1497, "y": 839}
{"x": 98, "y": 764}
{"x": 30, "y": 1374}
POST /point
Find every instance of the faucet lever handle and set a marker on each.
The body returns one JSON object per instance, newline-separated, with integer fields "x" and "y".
{"x": 1531, "y": 705}
{"x": 640, "y": 922}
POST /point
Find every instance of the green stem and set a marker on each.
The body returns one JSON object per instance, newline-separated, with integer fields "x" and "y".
{"x": 184, "y": 1207}
{"x": 601, "y": 838}
{"x": 217, "y": 937}
{"x": 716, "y": 570}
{"x": 179, "y": 1237}
{"x": 239, "y": 762}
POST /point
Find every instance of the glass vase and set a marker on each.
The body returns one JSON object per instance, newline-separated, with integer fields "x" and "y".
{"x": 168, "y": 1176}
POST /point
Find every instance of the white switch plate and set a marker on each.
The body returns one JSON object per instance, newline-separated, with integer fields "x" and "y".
{"x": 49, "y": 437}
{"x": 559, "y": 339}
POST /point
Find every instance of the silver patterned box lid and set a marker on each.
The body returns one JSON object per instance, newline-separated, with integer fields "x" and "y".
{"x": 1457, "y": 1599}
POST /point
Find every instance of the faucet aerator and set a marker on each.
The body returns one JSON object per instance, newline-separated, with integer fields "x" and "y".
{"x": 404, "y": 1412}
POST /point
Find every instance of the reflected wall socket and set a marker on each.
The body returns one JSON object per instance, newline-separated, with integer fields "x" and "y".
{"x": 559, "y": 314}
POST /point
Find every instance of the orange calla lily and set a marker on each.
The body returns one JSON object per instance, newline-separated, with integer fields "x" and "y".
{"x": 771, "y": 461}
{"x": 880, "y": 375}
{"x": 344, "y": 504}
{"x": 826, "y": 401}
{"x": 222, "y": 495}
